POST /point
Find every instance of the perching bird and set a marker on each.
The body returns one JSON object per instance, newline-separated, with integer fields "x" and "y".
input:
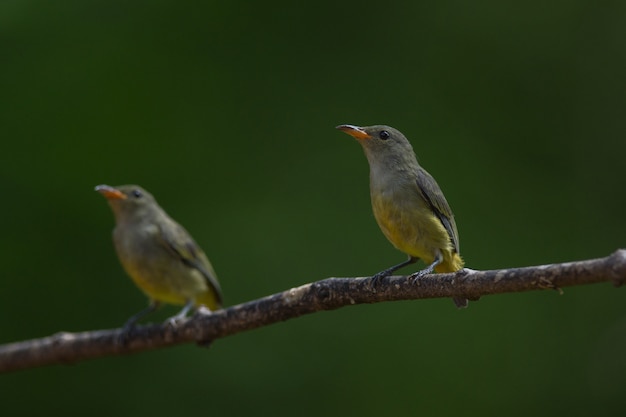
{"x": 159, "y": 254}
{"x": 409, "y": 206}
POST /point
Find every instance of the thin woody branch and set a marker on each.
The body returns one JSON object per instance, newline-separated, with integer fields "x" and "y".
{"x": 328, "y": 294}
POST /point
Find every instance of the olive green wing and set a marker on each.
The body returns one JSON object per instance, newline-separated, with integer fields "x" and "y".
{"x": 178, "y": 241}
{"x": 433, "y": 195}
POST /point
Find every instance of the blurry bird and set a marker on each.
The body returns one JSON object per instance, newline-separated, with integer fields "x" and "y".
{"x": 159, "y": 254}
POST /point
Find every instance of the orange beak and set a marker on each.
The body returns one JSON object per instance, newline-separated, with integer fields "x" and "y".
{"x": 354, "y": 131}
{"x": 110, "y": 192}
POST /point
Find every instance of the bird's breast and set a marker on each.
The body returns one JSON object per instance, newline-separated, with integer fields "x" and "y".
{"x": 408, "y": 222}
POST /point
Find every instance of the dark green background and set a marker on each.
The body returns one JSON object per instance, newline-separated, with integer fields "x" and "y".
{"x": 225, "y": 110}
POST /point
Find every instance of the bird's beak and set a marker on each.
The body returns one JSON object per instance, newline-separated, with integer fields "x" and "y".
{"x": 110, "y": 192}
{"x": 354, "y": 131}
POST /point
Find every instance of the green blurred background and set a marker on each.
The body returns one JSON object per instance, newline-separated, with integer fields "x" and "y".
{"x": 225, "y": 111}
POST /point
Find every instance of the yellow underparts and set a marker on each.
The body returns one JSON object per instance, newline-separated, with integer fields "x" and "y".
{"x": 417, "y": 232}
{"x": 174, "y": 290}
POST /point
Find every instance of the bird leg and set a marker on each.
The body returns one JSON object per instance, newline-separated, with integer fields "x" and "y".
{"x": 181, "y": 315}
{"x": 131, "y": 322}
{"x": 458, "y": 302}
{"x": 428, "y": 270}
{"x": 383, "y": 274}
{"x": 129, "y": 326}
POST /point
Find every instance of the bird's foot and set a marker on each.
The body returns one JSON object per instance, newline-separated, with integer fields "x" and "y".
{"x": 129, "y": 327}
{"x": 174, "y": 321}
{"x": 377, "y": 279}
{"x": 202, "y": 311}
{"x": 419, "y": 274}
{"x": 128, "y": 331}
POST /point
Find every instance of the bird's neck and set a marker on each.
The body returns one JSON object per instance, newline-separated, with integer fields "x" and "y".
{"x": 134, "y": 217}
{"x": 389, "y": 172}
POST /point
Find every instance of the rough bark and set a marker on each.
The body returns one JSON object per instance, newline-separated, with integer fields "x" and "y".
{"x": 327, "y": 294}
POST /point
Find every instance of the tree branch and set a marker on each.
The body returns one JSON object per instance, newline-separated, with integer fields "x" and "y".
{"x": 328, "y": 294}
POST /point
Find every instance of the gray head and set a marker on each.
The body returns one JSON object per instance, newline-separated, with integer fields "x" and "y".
{"x": 385, "y": 147}
{"x": 129, "y": 201}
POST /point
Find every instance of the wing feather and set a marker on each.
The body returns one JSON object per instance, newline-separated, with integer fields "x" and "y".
{"x": 439, "y": 205}
{"x": 178, "y": 241}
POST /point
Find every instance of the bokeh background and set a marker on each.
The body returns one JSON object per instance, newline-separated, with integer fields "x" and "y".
{"x": 225, "y": 111}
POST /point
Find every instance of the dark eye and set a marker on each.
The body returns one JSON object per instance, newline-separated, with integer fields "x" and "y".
{"x": 383, "y": 134}
{"x": 137, "y": 193}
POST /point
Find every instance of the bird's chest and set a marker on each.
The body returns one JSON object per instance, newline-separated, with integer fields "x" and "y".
{"x": 398, "y": 211}
{"x": 138, "y": 248}
{"x": 404, "y": 218}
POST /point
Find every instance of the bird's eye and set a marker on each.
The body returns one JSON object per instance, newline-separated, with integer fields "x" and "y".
{"x": 383, "y": 134}
{"x": 137, "y": 194}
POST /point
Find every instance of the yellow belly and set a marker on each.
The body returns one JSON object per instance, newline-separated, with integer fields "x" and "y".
{"x": 172, "y": 286}
{"x": 415, "y": 230}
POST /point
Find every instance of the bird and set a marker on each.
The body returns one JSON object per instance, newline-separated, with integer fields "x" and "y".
{"x": 408, "y": 204}
{"x": 159, "y": 255}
